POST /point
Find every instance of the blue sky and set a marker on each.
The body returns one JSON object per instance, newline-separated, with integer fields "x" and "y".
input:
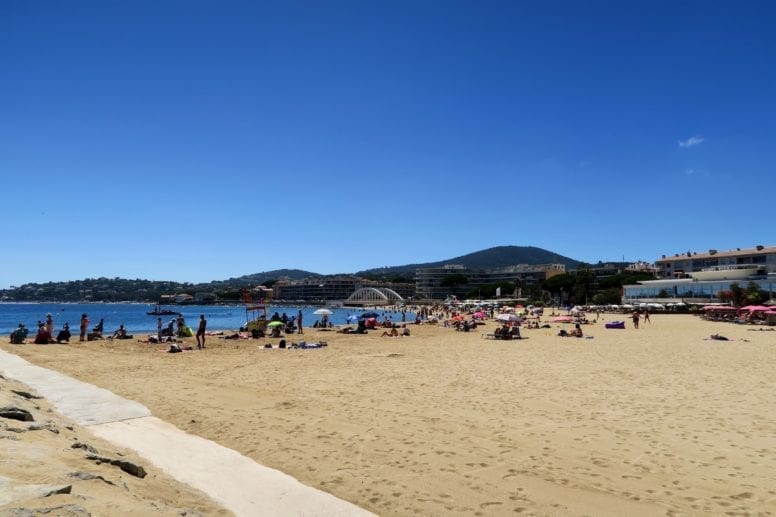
{"x": 194, "y": 141}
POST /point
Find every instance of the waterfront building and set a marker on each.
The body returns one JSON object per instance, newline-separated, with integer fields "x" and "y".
{"x": 438, "y": 283}
{"x": 698, "y": 277}
{"x": 681, "y": 264}
{"x": 331, "y": 289}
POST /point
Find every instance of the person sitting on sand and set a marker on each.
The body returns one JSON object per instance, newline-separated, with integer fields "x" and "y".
{"x": 19, "y": 335}
{"x": 43, "y": 337}
{"x": 577, "y": 332}
{"x": 392, "y": 333}
{"x": 121, "y": 333}
{"x": 64, "y": 334}
{"x": 405, "y": 331}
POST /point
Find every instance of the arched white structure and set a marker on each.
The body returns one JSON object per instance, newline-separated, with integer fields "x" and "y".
{"x": 391, "y": 294}
{"x": 374, "y": 296}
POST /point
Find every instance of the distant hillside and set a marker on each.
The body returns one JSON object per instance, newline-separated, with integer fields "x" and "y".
{"x": 490, "y": 258}
{"x": 257, "y": 279}
{"x": 121, "y": 289}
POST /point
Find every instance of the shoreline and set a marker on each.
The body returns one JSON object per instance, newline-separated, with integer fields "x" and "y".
{"x": 645, "y": 421}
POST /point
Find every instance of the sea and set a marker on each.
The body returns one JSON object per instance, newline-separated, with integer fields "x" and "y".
{"x": 134, "y": 318}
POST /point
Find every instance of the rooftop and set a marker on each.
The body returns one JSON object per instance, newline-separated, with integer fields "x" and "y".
{"x": 758, "y": 250}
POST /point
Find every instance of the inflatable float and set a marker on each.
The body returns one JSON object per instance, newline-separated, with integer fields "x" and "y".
{"x": 615, "y": 325}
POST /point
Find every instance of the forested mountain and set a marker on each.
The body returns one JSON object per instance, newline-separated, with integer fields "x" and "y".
{"x": 490, "y": 258}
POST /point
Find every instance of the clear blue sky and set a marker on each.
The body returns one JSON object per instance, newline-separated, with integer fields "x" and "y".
{"x": 192, "y": 141}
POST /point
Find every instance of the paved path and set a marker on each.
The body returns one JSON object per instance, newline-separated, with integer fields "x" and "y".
{"x": 235, "y": 481}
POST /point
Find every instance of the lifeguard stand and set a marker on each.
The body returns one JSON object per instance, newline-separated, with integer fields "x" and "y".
{"x": 255, "y": 312}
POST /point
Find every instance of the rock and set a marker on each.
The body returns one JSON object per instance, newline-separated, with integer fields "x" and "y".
{"x": 16, "y": 413}
{"x": 11, "y": 491}
{"x": 188, "y": 512}
{"x": 64, "y": 489}
{"x": 86, "y": 476}
{"x": 66, "y": 510}
{"x": 130, "y": 468}
{"x": 85, "y": 446}
{"x": 47, "y": 426}
{"x": 126, "y": 466}
{"x": 26, "y": 395}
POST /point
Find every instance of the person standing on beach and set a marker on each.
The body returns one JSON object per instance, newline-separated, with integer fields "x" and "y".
{"x": 50, "y": 324}
{"x": 299, "y": 321}
{"x": 201, "y": 331}
{"x": 635, "y": 319}
{"x": 159, "y": 329}
{"x": 646, "y": 316}
{"x": 84, "y": 326}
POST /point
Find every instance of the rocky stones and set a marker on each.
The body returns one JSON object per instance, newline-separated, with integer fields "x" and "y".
{"x": 16, "y": 413}
{"x": 85, "y": 446}
{"x": 86, "y": 476}
{"x": 12, "y": 491}
{"x": 126, "y": 466}
{"x": 65, "y": 510}
{"x": 25, "y": 394}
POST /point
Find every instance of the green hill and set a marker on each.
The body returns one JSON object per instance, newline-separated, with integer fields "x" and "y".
{"x": 490, "y": 258}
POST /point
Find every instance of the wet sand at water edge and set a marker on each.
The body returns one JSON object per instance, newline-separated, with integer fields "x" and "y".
{"x": 654, "y": 421}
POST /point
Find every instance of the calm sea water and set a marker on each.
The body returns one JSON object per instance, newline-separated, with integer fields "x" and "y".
{"x": 134, "y": 318}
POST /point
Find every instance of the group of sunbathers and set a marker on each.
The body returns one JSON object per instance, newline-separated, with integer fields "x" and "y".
{"x": 576, "y": 332}
{"x": 394, "y": 332}
{"x": 507, "y": 332}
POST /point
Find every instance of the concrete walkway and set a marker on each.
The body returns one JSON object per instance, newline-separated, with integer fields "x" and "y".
{"x": 235, "y": 481}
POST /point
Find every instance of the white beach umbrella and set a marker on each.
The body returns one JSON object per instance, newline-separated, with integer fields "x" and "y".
{"x": 323, "y": 312}
{"x": 509, "y": 317}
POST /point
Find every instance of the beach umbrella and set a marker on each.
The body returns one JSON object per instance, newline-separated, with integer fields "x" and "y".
{"x": 323, "y": 312}
{"x": 352, "y": 318}
{"x": 368, "y": 315}
{"x": 275, "y": 323}
{"x": 478, "y": 315}
{"x": 755, "y": 308}
{"x": 509, "y": 317}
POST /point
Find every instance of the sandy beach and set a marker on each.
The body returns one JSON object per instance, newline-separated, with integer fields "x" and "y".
{"x": 655, "y": 421}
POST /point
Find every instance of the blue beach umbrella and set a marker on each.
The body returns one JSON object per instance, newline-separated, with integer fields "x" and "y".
{"x": 368, "y": 315}
{"x": 352, "y": 318}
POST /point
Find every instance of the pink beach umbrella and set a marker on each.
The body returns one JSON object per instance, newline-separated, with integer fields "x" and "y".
{"x": 755, "y": 308}
{"x": 479, "y": 315}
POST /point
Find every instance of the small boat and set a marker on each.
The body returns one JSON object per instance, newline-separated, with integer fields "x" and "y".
{"x": 158, "y": 311}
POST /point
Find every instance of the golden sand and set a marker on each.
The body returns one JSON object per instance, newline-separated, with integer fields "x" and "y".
{"x": 654, "y": 421}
